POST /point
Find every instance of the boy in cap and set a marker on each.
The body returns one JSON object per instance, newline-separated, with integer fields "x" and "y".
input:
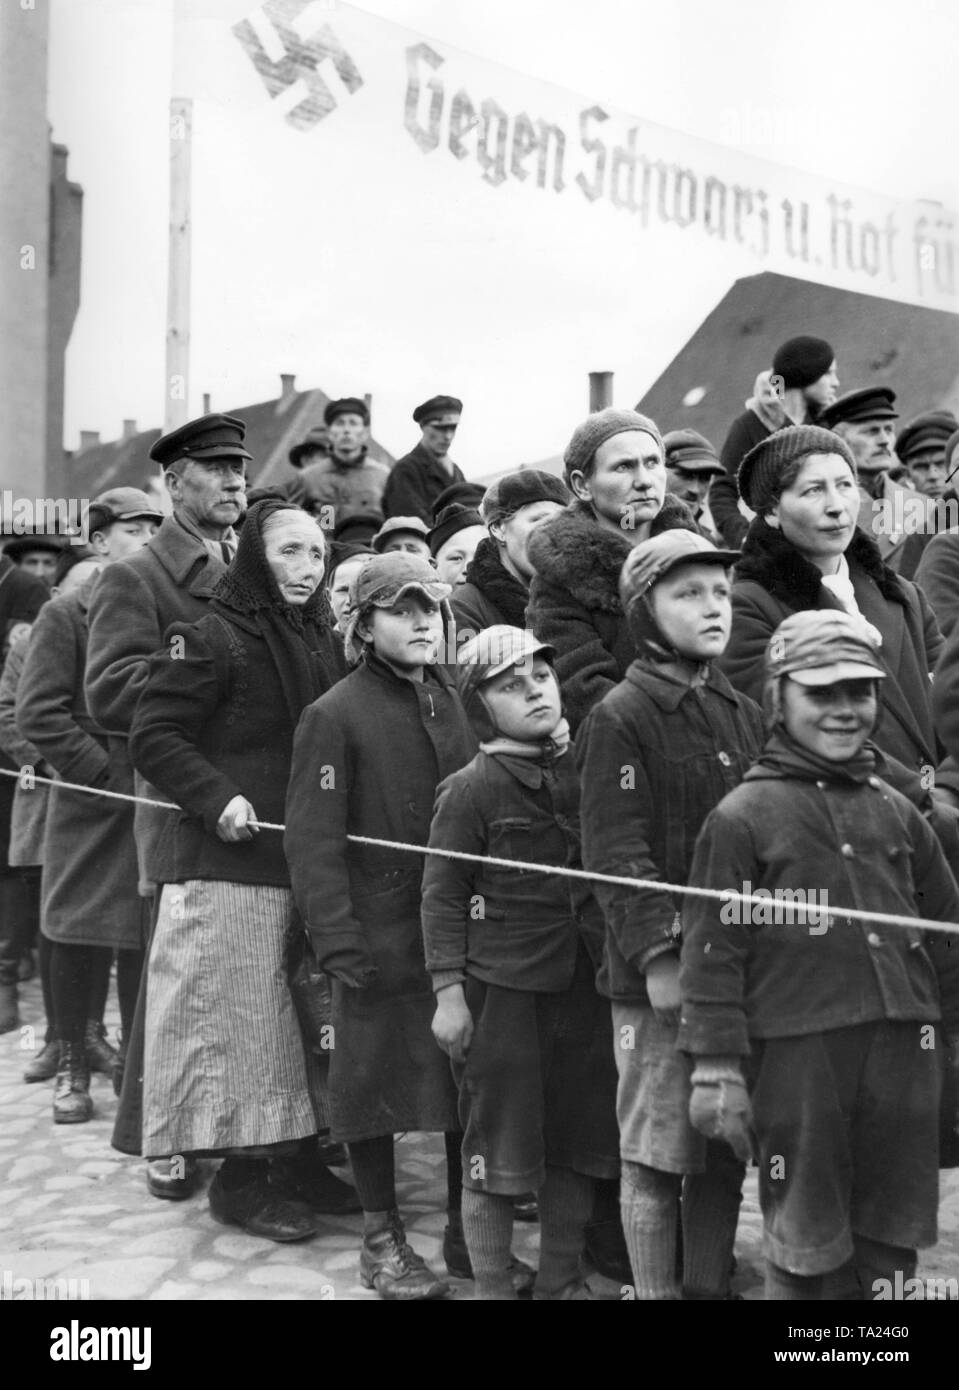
{"x": 691, "y": 465}
{"x": 512, "y": 955}
{"x": 367, "y": 759}
{"x": 656, "y": 755}
{"x": 831, "y": 1021}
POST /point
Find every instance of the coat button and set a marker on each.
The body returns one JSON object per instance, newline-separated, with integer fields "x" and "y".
{"x": 725, "y": 759}
{"x": 847, "y": 852}
{"x": 821, "y": 786}
{"x": 874, "y": 782}
{"x": 874, "y": 939}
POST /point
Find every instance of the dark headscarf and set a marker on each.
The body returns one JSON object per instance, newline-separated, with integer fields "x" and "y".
{"x": 299, "y": 639}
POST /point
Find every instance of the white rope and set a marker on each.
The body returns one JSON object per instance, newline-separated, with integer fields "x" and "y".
{"x": 725, "y": 895}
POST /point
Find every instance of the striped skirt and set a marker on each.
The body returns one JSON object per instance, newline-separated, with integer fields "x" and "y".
{"x": 224, "y": 1065}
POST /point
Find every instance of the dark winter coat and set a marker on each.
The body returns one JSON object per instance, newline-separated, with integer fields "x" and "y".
{"x": 214, "y": 724}
{"x": 526, "y": 929}
{"x": 863, "y": 845}
{"x": 415, "y": 482}
{"x": 574, "y": 599}
{"x": 90, "y": 876}
{"x": 22, "y": 596}
{"x": 29, "y": 816}
{"x": 746, "y": 431}
{"x": 490, "y": 595}
{"x": 937, "y": 575}
{"x": 773, "y": 580}
{"x": 170, "y": 580}
{"x": 656, "y": 755}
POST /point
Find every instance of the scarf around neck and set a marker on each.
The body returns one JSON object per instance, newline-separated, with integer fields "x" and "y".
{"x": 784, "y": 755}
{"x": 544, "y": 751}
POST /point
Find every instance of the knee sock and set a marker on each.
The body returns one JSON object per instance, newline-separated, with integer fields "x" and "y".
{"x": 783, "y": 1287}
{"x": 565, "y": 1203}
{"x": 101, "y": 959}
{"x": 874, "y": 1261}
{"x": 374, "y": 1173}
{"x": 70, "y": 984}
{"x": 710, "y": 1208}
{"x": 488, "y": 1227}
{"x": 650, "y": 1225}
{"x": 129, "y": 970}
{"x": 454, "y": 1171}
{"x": 44, "y": 949}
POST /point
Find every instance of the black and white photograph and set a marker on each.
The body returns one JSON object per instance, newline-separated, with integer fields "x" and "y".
{"x": 479, "y": 667}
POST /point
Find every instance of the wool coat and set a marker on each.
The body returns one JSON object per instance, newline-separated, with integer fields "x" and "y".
{"x": 773, "y": 580}
{"x": 490, "y": 595}
{"x": 574, "y": 600}
{"x": 29, "y": 816}
{"x": 656, "y": 755}
{"x": 346, "y": 487}
{"x": 21, "y": 598}
{"x": 367, "y": 759}
{"x": 90, "y": 876}
{"x": 415, "y": 482}
{"x": 937, "y": 575}
{"x": 170, "y": 580}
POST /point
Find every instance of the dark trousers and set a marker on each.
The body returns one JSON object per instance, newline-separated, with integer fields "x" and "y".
{"x": 128, "y": 1126}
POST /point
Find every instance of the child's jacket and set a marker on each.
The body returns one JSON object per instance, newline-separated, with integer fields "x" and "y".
{"x": 508, "y": 927}
{"x": 655, "y": 756}
{"x": 754, "y": 973}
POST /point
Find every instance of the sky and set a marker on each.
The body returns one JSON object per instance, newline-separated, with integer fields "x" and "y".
{"x": 862, "y": 93}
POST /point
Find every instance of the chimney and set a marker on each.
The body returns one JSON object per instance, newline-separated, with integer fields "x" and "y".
{"x": 206, "y": 402}
{"x": 287, "y": 385}
{"x": 88, "y": 438}
{"x": 600, "y": 390}
{"x": 368, "y": 402}
{"x": 129, "y": 429}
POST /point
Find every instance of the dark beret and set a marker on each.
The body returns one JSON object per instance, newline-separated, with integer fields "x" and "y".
{"x": 349, "y": 405}
{"x": 437, "y": 405}
{"x": 209, "y": 437}
{"x": 803, "y": 360}
{"x": 868, "y": 403}
{"x": 522, "y": 489}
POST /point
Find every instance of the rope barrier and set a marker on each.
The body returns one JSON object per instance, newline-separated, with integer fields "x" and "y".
{"x": 801, "y": 911}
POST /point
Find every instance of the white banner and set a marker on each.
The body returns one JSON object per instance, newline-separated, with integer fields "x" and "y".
{"x": 378, "y": 211}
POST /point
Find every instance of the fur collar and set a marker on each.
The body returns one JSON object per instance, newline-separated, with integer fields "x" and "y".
{"x": 773, "y": 563}
{"x": 575, "y": 553}
{"x": 488, "y": 574}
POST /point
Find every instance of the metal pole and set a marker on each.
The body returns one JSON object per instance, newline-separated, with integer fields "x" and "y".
{"x": 177, "y": 393}
{"x": 600, "y": 390}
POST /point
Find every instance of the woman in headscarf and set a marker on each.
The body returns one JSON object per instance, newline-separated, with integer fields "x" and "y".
{"x": 225, "y": 1069}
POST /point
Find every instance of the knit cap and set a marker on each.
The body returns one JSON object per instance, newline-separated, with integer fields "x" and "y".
{"x": 597, "y": 428}
{"x": 766, "y": 462}
{"x": 802, "y": 360}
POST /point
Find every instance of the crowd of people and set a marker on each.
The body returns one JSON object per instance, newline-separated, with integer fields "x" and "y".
{"x": 414, "y": 776}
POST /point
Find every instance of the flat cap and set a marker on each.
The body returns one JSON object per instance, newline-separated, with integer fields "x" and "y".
{"x": 931, "y": 430}
{"x": 359, "y": 526}
{"x": 524, "y": 488}
{"x": 316, "y": 441}
{"x": 868, "y": 403}
{"x": 413, "y": 525}
{"x": 121, "y": 504}
{"x": 649, "y": 561}
{"x": 821, "y": 646}
{"x": 692, "y": 451}
{"x": 349, "y": 405}
{"x": 209, "y": 437}
{"x": 436, "y": 406}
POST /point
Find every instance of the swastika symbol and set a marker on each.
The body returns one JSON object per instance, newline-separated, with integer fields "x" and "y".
{"x": 300, "y": 62}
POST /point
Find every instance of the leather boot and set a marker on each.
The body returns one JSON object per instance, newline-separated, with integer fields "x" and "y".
{"x": 45, "y": 1063}
{"x": 101, "y": 1056}
{"x": 71, "y": 1098}
{"x": 9, "y": 1014}
{"x": 391, "y": 1266}
{"x": 305, "y": 1178}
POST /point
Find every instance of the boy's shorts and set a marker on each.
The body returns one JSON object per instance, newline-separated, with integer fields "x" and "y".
{"x": 538, "y": 1086}
{"x": 652, "y": 1099}
{"x": 847, "y": 1123}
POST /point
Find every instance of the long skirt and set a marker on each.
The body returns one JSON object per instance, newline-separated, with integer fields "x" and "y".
{"x": 224, "y": 1064}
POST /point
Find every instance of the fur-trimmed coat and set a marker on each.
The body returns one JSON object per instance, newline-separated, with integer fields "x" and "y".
{"x": 773, "y": 580}
{"x": 574, "y": 599}
{"x": 490, "y": 595}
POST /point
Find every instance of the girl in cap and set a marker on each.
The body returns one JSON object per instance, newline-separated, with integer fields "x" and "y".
{"x": 656, "y": 755}
{"x": 367, "y": 760}
{"x": 833, "y": 1023}
{"x": 512, "y": 956}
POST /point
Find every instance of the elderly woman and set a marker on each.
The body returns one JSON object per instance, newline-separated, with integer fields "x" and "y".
{"x": 615, "y": 467}
{"x": 225, "y": 1068}
{"x": 803, "y": 550}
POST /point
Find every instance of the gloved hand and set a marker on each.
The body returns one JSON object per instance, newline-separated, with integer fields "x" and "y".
{"x": 719, "y": 1105}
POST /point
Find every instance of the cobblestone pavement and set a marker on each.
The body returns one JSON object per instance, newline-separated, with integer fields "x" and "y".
{"x": 72, "y": 1208}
